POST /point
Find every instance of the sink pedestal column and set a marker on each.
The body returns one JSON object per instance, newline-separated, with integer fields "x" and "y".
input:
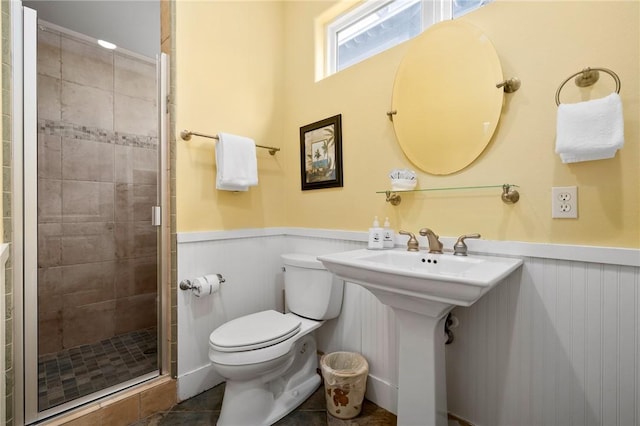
{"x": 422, "y": 382}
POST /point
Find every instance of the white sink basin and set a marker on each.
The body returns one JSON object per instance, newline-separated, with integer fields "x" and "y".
{"x": 421, "y": 289}
{"x": 442, "y": 278}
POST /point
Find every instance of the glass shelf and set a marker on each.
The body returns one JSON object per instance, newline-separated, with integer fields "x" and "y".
{"x": 509, "y": 195}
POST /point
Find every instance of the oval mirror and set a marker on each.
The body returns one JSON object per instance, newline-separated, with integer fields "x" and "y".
{"x": 445, "y": 97}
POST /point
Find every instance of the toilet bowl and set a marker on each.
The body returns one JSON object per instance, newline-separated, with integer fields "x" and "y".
{"x": 269, "y": 359}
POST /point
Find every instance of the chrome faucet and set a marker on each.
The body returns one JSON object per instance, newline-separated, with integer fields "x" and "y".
{"x": 435, "y": 246}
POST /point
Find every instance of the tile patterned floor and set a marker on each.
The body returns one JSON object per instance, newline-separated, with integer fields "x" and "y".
{"x": 85, "y": 369}
{"x": 204, "y": 409}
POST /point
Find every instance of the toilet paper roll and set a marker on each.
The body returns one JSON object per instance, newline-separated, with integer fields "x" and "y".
{"x": 205, "y": 286}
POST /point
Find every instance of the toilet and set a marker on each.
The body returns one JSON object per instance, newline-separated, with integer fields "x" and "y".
{"x": 269, "y": 359}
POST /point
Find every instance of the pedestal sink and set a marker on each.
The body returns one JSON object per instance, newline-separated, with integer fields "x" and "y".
{"x": 421, "y": 288}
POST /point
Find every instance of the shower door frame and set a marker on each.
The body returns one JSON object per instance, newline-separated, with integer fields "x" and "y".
{"x": 25, "y": 241}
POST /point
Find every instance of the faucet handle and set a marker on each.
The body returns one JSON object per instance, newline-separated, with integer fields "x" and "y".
{"x": 412, "y": 244}
{"x": 460, "y": 248}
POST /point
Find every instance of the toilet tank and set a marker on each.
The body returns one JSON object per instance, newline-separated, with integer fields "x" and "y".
{"x": 310, "y": 290}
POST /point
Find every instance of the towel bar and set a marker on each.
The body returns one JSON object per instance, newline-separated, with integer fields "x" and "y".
{"x": 186, "y": 135}
{"x": 586, "y": 78}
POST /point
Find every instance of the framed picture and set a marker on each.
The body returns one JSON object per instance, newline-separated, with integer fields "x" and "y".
{"x": 321, "y": 154}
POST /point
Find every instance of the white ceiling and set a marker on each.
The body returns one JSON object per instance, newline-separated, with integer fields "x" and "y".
{"x": 132, "y": 25}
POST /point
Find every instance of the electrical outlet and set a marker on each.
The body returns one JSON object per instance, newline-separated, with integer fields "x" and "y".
{"x": 564, "y": 202}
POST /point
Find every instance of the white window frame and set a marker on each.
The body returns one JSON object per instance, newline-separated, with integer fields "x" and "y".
{"x": 433, "y": 11}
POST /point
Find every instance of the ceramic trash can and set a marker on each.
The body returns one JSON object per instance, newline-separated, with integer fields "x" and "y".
{"x": 345, "y": 381}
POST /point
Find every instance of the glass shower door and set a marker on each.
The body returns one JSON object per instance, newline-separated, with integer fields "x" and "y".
{"x": 97, "y": 250}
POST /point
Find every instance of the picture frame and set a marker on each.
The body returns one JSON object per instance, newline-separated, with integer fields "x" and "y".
{"x": 321, "y": 154}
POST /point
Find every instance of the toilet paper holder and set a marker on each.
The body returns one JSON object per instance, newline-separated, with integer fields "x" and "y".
{"x": 187, "y": 285}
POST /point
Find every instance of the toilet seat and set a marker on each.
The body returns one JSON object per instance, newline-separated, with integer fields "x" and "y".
{"x": 272, "y": 352}
{"x": 254, "y": 331}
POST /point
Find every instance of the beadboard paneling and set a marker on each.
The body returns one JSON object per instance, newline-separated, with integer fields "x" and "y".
{"x": 252, "y": 270}
{"x": 556, "y": 344}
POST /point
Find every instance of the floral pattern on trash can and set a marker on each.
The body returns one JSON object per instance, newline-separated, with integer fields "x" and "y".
{"x": 345, "y": 382}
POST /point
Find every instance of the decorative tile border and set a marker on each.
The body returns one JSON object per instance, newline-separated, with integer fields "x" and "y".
{"x": 74, "y": 131}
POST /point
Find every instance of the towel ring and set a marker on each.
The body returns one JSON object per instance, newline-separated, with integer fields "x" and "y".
{"x": 586, "y": 78}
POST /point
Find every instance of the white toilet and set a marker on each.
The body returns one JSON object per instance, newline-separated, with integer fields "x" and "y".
{"x": 269, "y": 358}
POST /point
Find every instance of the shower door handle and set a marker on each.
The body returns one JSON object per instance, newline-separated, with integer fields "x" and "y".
{"x": 156, "y": 216}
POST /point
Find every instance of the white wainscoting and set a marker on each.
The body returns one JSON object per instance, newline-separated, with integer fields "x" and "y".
{"x": 557, "y": 343}
{"x": 253, "y": 275}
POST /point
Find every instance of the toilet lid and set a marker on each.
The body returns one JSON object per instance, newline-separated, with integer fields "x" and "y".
{"x": 254, "y": 331}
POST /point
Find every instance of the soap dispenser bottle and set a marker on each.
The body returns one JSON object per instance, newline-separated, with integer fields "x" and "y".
{"x": 388, "y": 236}
{"x": 376, "y": 236}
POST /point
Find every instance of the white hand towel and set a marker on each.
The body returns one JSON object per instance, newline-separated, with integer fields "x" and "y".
{"x": 591, "y": 130}
{"x": 236, "y": 163}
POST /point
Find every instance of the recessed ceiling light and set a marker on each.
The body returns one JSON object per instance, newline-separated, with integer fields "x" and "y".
{"x": 106, "y": 44}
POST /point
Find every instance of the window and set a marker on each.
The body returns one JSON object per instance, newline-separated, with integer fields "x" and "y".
{"x": 377, "y": 25}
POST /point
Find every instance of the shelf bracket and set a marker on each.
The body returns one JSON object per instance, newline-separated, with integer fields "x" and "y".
{"x": 393, "y": 198}
{"x": 509, "y": 195}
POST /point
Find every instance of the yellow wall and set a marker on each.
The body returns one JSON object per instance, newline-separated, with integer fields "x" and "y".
{"x": 540, "y": 42}
{"x": 229, "y": 58}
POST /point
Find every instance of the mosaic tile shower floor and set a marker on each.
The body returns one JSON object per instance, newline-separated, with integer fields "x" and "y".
{"x": 76, "y": 372}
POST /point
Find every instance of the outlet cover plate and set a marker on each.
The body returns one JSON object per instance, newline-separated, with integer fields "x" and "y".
{"x": 564, "y": 202}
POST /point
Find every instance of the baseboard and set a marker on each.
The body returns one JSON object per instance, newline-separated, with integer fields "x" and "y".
{"x": 197, "y": 381}
{"x": 382, "y": 393}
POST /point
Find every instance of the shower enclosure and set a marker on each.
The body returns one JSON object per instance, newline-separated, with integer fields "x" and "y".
{"x": 91, "y": 251}
{"x": 97, "y": 257}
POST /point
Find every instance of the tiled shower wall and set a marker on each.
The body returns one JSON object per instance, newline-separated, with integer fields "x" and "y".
{"x": 97, "y": 177}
